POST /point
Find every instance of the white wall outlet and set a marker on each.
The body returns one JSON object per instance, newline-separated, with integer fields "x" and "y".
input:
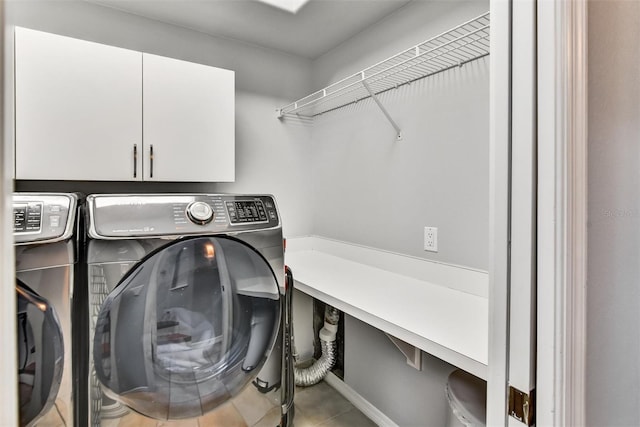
{"x": 431, "y": 239}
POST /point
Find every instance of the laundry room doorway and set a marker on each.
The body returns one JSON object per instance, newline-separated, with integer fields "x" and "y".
{"x": 538, "y": 220}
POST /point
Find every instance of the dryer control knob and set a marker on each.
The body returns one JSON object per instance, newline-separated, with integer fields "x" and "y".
{"x": 200, "y": 213}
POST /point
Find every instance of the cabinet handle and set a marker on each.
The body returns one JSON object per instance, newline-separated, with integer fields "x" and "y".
{"x": 135, "y": 160}
{"x": 151, "y": 161}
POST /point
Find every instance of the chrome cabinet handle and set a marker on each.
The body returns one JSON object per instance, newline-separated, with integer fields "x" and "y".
{"x": 135, "y": 160}
{"x": 151, "y": 161}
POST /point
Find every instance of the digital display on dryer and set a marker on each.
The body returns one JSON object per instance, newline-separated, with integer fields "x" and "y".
{"x": 246, "y": 212}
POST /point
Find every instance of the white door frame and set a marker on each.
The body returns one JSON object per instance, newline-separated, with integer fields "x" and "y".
{"x": 499, "y": 189}
{"x": 513, "y": 172}
{"x": 562, "y": 211}
{"x": 8, "y": 362}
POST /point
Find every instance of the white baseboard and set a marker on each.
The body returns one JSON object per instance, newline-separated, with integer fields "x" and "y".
{"x": 363, "y": 405}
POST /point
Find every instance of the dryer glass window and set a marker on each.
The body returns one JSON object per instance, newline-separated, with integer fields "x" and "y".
{"x": 40, "y": 354}
{"x": 187, "y": 328}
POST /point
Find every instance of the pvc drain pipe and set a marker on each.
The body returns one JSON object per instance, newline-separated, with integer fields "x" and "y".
{"x": 316, "y": 372}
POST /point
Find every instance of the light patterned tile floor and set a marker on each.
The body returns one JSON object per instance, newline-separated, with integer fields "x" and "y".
{"x": 316, "y": 406}
{"x": 321, "y": 406}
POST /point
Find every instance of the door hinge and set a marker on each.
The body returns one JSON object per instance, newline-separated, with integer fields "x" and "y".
{"x": 522, "y": 405}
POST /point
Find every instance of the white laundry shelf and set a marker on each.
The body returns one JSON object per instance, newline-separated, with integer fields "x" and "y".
{"x": 440, "y": 320}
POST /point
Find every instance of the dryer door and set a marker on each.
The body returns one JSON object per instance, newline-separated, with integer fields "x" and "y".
{"x": 187, "y": 328}
{"x": 40, "y": 354}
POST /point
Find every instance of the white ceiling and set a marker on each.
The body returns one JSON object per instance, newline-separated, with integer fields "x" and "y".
{"x": 319, "y": 26}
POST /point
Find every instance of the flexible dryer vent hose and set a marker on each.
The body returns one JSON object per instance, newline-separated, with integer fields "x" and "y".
{"x": 316, "y": 372}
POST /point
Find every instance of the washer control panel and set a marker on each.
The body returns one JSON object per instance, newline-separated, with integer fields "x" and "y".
{"x": 119, "y": 216}
{"x": 27, "y": 217}
{"x": 42, "y": 217}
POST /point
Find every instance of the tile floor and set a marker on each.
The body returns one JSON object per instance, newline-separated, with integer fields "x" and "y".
{"x": 316, "y": 406}
{"x": 321, "y": 405}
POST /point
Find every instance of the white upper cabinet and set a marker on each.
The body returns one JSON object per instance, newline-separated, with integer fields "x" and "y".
{"x": 78, "y": 114}
{"x": 189, "y": 119}
{"x": 86, "y": 111}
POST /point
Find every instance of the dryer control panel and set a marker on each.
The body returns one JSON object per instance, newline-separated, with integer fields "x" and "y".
{"x": 249, "y": 211}
{"x": 43, "y": 217}
{"x": 153, "y": 215}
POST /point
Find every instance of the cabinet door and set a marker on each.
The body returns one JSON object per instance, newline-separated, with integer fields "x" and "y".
{"x": 189, "y": 121}
{"x": 78, "y": 109}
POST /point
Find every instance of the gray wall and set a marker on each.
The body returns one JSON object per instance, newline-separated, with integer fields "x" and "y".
{"x": 370, "y": 190}
{"x": 270, "y": 157}
{"x": 379, "y": 372}
{"x": 613, "y": 288}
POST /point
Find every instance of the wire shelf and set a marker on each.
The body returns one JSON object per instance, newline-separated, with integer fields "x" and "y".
{"x": 453, "y": 48}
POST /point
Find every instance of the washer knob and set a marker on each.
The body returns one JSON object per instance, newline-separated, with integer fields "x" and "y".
{"x": 200, "y": 213}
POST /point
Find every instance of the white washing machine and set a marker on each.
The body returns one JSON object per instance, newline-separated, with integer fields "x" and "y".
{"x": 187, "y": 304}
{"x": 45, "y": 229}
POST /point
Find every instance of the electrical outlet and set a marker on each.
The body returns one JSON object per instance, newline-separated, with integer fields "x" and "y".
{"x": 431, "y": 239}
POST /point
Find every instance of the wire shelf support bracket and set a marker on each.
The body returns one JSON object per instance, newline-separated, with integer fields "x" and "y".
{"x": 384, "y": 110}
{"x": 454, "y": 48}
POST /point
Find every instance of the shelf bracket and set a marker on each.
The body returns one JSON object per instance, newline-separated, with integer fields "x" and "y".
{"x": 412, "y": 353}
{"x": 384, "y": 110}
